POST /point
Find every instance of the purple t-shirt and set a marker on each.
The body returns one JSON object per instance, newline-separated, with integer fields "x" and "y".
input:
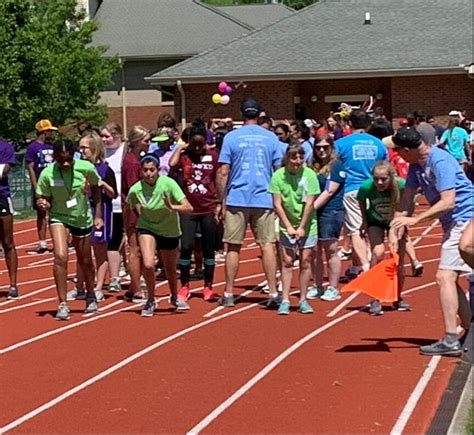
{"x": 7, "y": 156}
{"x": 41, "y": 154}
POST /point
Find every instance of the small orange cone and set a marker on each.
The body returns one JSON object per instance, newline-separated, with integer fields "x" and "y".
{"x": 380, "y": 282}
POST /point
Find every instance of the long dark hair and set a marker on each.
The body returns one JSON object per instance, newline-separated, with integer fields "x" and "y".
{"x": 318, "y": 165}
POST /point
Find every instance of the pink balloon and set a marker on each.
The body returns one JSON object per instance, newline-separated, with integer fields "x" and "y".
{"x": 228, "y": 90}
{"x": 222, "y": 87}
{"x": 225, "y": 100}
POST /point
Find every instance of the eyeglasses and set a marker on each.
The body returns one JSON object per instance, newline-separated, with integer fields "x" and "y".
{"x": 322, "y": 147}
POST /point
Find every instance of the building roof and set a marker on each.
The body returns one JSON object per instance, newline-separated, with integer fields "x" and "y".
{"x": 163, "y": 28}
{"x": 259, "y": 15}
{"x": 329, "y": 40}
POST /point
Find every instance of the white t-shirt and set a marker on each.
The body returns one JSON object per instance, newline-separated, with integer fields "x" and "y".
{"x": 114, "y": 156}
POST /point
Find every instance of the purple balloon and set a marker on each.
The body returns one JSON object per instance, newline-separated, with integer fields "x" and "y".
{"x": 228, "y": 90}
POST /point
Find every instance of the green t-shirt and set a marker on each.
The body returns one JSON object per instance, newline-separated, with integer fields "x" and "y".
{"x": 154, "y": 215}
{"x": 379, "y": 208}
{"x": 293, "y": 189}
{"x": 65, "y": 190}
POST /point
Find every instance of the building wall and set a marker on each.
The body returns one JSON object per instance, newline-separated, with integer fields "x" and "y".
{"x": 143, "y": 115}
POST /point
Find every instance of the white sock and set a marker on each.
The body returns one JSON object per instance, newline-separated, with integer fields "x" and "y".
{"x": 228, "y": 295}
{"x": 365, "y": 267}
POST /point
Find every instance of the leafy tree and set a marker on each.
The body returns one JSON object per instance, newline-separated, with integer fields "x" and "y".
{"x": 48, "y": 67}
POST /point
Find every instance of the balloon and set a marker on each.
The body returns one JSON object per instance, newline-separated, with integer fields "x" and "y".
{"x": 225, "y": 100}
{"x": 222, "y": 87}
{"x": 216, "y": 98}
{"x": 228, "y": 90}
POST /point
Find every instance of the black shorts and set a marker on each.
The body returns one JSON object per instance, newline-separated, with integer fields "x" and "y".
{"x": 117, "y": 232}
{"x": 75, "y": 232}
{"x": 162, "y": 243}
{"x": 6, "y": 208}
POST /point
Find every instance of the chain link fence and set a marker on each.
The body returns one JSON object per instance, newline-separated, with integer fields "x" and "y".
{"x": 20, "y": 185}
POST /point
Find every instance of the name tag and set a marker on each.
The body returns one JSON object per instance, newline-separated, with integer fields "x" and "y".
{"x": 71, "y": 203}
{"x": 57, "y": 183}
{"x": 98, "y": 233}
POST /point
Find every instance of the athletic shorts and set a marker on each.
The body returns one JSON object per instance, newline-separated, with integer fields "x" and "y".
{"x": 261, "y": 220}
{"x": 6, "y": 206}
{"x": 305, "y": 242}
{"x": 79, "y": 233}
{"x": 450, "y": 258}
{"x": 117, "y": 232}
{"x": 353, "y": 214}
{"x": 162, "y": 243}
{"x": 330, "y": 228}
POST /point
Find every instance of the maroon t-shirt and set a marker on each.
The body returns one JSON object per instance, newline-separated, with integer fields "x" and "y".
{"x": 199, "y": 181}
{"x": 131, "y": 173}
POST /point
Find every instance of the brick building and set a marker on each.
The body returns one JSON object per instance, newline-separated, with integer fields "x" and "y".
{"x": 407, "y": 55}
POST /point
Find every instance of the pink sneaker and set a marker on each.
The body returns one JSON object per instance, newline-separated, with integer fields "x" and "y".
{"x": 183, "y": 293}
{"x": 208, "y": 294}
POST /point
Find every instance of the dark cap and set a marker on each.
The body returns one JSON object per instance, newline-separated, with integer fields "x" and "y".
{"x": 249, "y": 107}
{"x": 405, "y": 137}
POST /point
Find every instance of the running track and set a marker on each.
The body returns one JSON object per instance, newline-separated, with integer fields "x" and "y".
{"x": 243, "y": 369}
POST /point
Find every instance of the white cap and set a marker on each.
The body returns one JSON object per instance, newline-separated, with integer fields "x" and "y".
{"x": 309, "y": 123}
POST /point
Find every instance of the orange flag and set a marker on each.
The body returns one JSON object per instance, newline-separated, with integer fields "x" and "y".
{"x": 380, "y": 282}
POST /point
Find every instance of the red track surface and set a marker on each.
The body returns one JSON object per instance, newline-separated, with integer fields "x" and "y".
{"x": 355, "y": 376}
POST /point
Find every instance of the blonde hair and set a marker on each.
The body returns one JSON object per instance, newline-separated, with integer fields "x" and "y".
{"x": 114, "y": 129}
{"x": 96, "y": 146}
{"x": 394, "y": 187}
{"x": 318, "y": 165}
{"x": 136, "y": 134}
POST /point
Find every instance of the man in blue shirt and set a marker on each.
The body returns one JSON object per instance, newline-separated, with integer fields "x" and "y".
{"x": 358, "y": 153}
{"x": 450, "y": 195}
{"x": 248, "y": 156}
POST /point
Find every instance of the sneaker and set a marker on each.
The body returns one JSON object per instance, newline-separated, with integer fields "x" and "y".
{"x": 99, "y": 295}
{"x": 274, "y": 301}
{"x": 226, "y": 301}
{"x": 353, "y": 272}
{"x": 441, "y": 347}
{"x": 331, "y": 294}
{"x": 183, "y": 293}
{"x": 344, "y": 255}
{"x": 179, "y": 304}
{"x": 12, "y": 292}
{"x": 128, "y": 296}
{"x": 139, "y": 297}
{"x": 91, "y": 304}
{"x": 417, "y": 268}
{"x": 148, "y": 309}
{"x": 284, "y": 308}
{"x": 401, "y": 305}
{"x": 63, "y": 312}
{"x": 375, "y": 308}
{"x": 220, "y": 257}
{"x": 76, "y": 294}
{"x": 304, "y": 307}
{"x": 114, "y": 285}
{"x": 42, "y": 248}
{"x": 207, "y": 294}
{"x": 314, "y": 292}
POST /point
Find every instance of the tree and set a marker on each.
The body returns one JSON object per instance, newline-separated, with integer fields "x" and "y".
{"x": 48, "y": 67}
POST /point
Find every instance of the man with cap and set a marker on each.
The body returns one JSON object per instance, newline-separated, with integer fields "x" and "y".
{"x": 39, "y": 154}
{"x": 449, "y": 194}
{"x": 248, "y": 156}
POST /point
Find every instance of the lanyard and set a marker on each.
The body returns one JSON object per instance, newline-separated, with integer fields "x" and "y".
{"x": 68, "y": 189}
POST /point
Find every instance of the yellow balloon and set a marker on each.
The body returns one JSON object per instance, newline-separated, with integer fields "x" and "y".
{"x": 216, "y": 98}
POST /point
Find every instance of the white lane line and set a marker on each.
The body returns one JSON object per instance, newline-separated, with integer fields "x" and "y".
{"x": 262, "y": 373}
{"x": 19, "y": 307}
{"x": 45, "y": 260}
{"x": 26, "y": 295}
{"x": 116, "y": 367}
{"x": 33, "y": 281}
{"x": 16, "y": 232}
{"x": 426, "y": 231}
{"x": 105, "y": 308}
{"x": 410, "y": 406}
{"x": 25, "y": 245}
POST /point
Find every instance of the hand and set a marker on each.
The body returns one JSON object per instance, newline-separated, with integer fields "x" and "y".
{"x": 300, "y": 233}
{"x": 167, "y": 202}
{"x": 403, "y": 221}
{"x": 393, "y": 241}
{"x": 291, "y": 232}
{"x": 98, "y": 222}
{"x": 218, "y": 213}
{"x": 363, "y": 231}
{"x": 43, "y": 204}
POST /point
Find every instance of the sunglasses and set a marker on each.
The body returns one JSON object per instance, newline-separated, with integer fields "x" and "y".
{"x": 322, "y": 147}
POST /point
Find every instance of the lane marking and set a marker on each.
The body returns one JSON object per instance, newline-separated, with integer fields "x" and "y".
{"x": 19, "y": 307}
{"x": 26, "y": 295}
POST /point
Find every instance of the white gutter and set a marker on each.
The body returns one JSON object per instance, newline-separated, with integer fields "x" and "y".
{"x": 179, "y": 85}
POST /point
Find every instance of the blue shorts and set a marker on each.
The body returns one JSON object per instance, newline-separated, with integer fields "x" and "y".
{"x": 305, "y": 242}
{"x": 329, "y": 228}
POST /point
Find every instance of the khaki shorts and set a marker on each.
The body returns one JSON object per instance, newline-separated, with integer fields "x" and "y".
{"x": 450, "y": 258}
{"x": 352, "y": 213}
{"x": 262, "y": 224}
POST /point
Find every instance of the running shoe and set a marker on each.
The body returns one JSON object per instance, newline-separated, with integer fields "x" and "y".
{"x": 148, "y": 309}
{"x": 76, "y": 294}
{"x": 284, "y": 308}
{"x": 63, "y": 311}
{"x": 331, "y": 294}
{"x": 140, "y": 297}
{"x": 184, "y": 293}
{"x": 99, "y": 295}
{"x": 114, "y": 285}
{"x": 314, "y": 292}
{"x": 273, "y": 301}
{"x": 128, "y": 296}
{"x": 179, "y": 304}
{"x": 375, "y": 308}
{"x": 417, "y": 268}
{"x": 226, "y": 301}
{"x": 353, "y": 272}
{"x": 304, "y": 307}
{"x": 42, "y": 247}
{"x": 401, "y": 305}
{"x": 13, "y": 292}
{"x": 207, "y": 294}
{"x": 91, "y": 304}
{"x": 441, "y": 347}
{"x": 344, "y": 255}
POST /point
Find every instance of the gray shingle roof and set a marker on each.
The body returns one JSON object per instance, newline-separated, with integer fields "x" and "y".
{"x": 329, "y": 39}
{"x": 163, "y": 28}
{"x": 258, "y": 15}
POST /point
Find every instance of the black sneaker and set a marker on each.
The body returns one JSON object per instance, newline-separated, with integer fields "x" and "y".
{"x": 440, "y": 347}
{"x": 401, "y": 305}
{"x": 13, "y": 292}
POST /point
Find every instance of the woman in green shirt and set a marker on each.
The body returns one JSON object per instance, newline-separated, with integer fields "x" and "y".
{"x": 62, "y": 191}
{"x": 157, "y": 200}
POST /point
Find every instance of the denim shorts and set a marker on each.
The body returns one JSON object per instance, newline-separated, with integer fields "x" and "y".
{"x": 329, "y": 228}
{"x": 303, "y": 243}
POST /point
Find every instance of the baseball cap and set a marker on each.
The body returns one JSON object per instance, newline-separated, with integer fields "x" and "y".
{"x": 310, "y": 123}
{"x": 44, "y": 125}
{"x": 405, "y": 137}
{"x": 164, "y": 134}
{"x": 249, "y": 106}
{"x": 454, "y": 113}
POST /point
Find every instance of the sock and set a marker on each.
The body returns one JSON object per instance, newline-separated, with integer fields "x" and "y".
{"x": 228, "y": 295}
{"x": 451, "y": 337}
{"x": 365, "y": 267}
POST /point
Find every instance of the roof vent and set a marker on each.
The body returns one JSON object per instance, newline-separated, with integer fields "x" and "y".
{"x": 367, "y": 18}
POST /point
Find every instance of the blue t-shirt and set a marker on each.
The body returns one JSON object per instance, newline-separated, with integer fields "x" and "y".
{"x": 334, "y": 204}
{"x": 252, "y": 152}
{"x": 307, "y": 146}
{"x": 454, "y": 140}
{"x": 358, "y": 153}
{"x": 438, "y": 173}
{"x": 283, "y": 148}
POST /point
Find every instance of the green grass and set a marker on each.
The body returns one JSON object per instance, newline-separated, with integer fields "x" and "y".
{"x": 27, "y": 213}
{"x": 470, "y": 424}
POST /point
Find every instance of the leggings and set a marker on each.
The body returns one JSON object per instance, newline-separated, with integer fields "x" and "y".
{"x": 206, "y": 225}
